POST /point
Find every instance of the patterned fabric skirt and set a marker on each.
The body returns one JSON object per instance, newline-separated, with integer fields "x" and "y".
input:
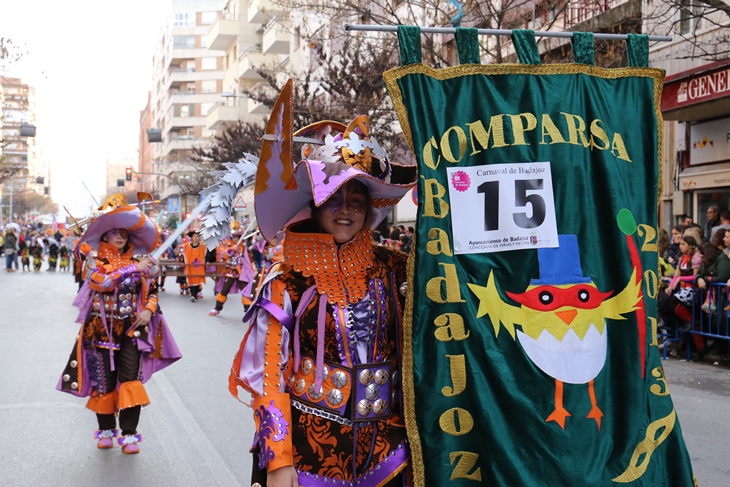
{"x": 324, "y": 449}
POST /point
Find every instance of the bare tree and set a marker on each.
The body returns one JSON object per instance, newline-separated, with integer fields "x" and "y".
{"x": 28, "y": 200}
{"x": 703, "y": 24}
{"x": 10, "y": 52}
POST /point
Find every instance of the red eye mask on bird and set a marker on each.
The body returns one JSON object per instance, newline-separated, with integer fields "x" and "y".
{"x": 549, "y": 298}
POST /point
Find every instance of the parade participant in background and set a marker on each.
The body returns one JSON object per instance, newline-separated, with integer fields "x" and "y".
{"x": 52, "y": 254}
{"x": 322, "y": 354}
{"x": 36, "y": 251}
{"x": 123, "y": 338}
{"x": 169, "y": 254}
{"x": 79, "y": 258}
{"x": 63, "y": 254}
{"x": 182, "y": 281}
{"x": 194, "y": 254}
{"x": 238, "y": 269}
{"x": 25, "y": 256}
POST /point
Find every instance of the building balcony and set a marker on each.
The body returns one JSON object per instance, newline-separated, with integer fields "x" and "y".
{"x": 223, "y": 33}
{"x": 183, "y": 52}
{"x": 184, "y": 75}
{"x": 261, "y": 11}
{"x": 180, "y": 143}
{"x": 186, "y": 122}
{"x": 276, "y": 37}
{"x": 187, "y": 98}
{"x": 256, "y": 108}
{"x": 221, "y": 114}
{"x": 250, "y": 61}
{"x": 599, "y": 14}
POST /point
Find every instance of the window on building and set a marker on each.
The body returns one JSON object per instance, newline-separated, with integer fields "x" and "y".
{"x": 208, "y": 63}
{"x": 183, "y": 110}
{"x": 209, "y": 86}
{"x": 207, "y": 18}
{"x": 204, "y": 41}
{"x": 690, "y": 16}
{"x": 184, "y": 19}
{"x": 205, "y": 108}
{"x": 183, "y": 42}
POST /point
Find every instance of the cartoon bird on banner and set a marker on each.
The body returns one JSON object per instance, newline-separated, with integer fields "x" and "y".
{"x": 563, "y": 319}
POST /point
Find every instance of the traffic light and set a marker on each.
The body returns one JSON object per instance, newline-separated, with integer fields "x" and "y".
{"x": 128, "y": 174}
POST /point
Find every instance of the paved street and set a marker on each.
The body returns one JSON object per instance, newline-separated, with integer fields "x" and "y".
{"x": 195, "y": 433}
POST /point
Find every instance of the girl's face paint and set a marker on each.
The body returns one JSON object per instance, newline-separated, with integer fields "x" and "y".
{"x": 116, "y": 237}
{"x": 343, "y": 214}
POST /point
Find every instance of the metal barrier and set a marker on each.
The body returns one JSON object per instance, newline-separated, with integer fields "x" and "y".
{"x": 174, "y": 268}
{"x": 712, "y": 324}
{"x": 671, "y": 337}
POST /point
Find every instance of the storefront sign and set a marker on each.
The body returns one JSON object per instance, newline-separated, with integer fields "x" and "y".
{"x": 710, "y": 142}
{"x": 688, "y": 89}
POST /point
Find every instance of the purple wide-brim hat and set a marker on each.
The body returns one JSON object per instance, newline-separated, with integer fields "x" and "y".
{"x": 143, "y": 233}
{"x": 317, "y": 181}
{"x": 283, "y": 192}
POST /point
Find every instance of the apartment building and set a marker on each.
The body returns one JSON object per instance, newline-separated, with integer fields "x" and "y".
{"x": 255, "y": 35}
{"x": 18, "y": 107}
{"x": 187, "y": 81}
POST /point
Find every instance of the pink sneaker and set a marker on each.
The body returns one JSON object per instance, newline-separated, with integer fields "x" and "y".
{"x": 105, "y": 438}
{"x": 199, "y": 296}
{"x": 213, "y": 312}
{"x": 129, "y": 443}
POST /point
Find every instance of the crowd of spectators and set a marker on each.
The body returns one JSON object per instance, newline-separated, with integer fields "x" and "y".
{"x": 398, "y": 237}
{"x": 692, "y": 259}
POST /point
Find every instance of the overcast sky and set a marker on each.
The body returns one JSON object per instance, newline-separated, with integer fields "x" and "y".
{"x": 91, "y": 63}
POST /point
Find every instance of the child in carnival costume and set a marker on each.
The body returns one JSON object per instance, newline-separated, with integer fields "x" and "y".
{"x": 194, "y": 254}
{"x": 63, "y": 253}
{"x": 322, "y": 354}
{"x": 124, "y": 338}
{"x": 24, "y": 255}
{"x": 36, "y": 251}
{"x": 52, "y": 254}
{"x": 238, "y": 269}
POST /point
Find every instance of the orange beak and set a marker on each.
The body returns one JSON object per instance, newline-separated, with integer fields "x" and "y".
{"x": 567, "y": 316}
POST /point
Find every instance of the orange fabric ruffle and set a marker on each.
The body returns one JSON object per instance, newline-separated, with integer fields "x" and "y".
{"x": 132, "y": 394}
{"x": 220, "y": 298}
{"x": 103, "y": 403}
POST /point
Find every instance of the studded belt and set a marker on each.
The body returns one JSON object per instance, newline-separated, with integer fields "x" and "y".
{"x": 366, "y": 388}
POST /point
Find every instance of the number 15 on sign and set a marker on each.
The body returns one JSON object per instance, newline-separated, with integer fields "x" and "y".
{"x": 501, "y": 207}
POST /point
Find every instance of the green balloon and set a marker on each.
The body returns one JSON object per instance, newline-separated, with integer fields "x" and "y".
{"x": 626, "y": 221}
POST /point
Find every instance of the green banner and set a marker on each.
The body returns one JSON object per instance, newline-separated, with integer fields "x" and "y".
{"x": 531, "y": 356}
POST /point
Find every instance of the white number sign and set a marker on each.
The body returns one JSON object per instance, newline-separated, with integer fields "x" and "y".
{"x": 502, "y": 207}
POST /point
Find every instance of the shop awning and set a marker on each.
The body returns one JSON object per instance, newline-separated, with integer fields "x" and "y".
{"x": 706, "y": 176}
